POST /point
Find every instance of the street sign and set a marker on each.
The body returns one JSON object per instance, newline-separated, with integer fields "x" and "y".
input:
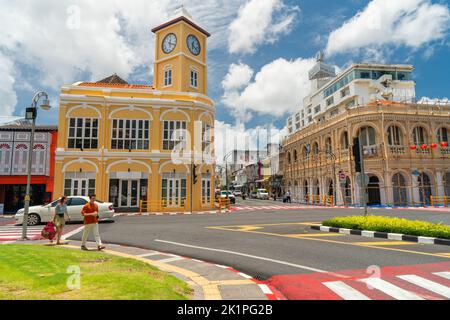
{"x": 415, "y": 173}
{"x": 359, "y": 178}
{"x": 342, "y": 176}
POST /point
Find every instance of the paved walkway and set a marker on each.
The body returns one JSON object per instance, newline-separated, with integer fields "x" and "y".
{"x": 208, "y": 281}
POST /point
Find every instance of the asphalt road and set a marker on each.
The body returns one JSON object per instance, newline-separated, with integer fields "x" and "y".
{"x": 265, "y": 243}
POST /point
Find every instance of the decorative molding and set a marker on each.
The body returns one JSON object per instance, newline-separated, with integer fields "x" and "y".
{"x": 80, "y": 161}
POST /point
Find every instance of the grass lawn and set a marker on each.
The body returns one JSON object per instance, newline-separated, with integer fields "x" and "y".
{"x": 391, "y": 225}
{"x": 40, "y": 272}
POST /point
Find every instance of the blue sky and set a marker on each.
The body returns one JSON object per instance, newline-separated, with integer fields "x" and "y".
{"x": 262, "y": 47}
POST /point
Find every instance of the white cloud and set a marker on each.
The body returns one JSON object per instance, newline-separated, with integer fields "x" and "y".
{"x": 278, "y": 88}
{"x": 61, "y": 42}
{"x": 259, "y": 22}
{"x": 8, "y": 97}
{"x": 412, "y": 23}
{"x": 231, "y": 137}
{"x": 238, "y": 76}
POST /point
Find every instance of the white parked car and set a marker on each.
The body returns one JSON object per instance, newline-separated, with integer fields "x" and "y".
{"x": 45, "y": 213}
{"x": 223, "y": 195}
{"x": 262, "y": 194}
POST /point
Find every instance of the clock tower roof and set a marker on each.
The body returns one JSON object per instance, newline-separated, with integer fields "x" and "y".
{"x": 181, "y": 15}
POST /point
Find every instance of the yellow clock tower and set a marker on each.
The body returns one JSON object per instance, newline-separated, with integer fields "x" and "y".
{"x": 180, "y": 57}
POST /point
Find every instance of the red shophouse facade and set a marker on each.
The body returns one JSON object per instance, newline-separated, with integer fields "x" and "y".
{"x": 14, "y": 148}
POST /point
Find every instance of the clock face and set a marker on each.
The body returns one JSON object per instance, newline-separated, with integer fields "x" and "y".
{"x": 169, "y": 43}
{"x": 193, "y": 45}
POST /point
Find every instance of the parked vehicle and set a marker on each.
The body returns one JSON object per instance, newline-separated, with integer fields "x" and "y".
{"x": 237, "y": 193}
{"x": 262, "y": 194}
{"x": 45, "y": 213}
{"x": 223, "y": 194}
{"x": 254, "y": 195}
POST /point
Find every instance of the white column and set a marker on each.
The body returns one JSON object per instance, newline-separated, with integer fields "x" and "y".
{"x": 415, "y": 191}
{"x": 388, "y": 192}
{"x": 440, "y": 183}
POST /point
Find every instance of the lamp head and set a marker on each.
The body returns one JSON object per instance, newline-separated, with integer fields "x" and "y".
{"x": 45, "y": 104}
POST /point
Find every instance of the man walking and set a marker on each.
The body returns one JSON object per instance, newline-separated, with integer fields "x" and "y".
{"x": 90, "y": 213}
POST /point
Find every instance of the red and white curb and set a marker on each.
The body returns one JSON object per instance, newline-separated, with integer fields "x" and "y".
{"x": 268, "y": 291}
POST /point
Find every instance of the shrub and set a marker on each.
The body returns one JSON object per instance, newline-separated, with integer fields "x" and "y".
{"x": 391, "y": 225}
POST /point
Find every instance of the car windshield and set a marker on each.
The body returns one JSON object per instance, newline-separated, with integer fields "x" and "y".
{"x": 262, "y": 191}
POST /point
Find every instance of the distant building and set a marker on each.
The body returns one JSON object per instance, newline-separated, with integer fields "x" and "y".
{"x": 14, "y": 149}
{"x": 405, "y": 142}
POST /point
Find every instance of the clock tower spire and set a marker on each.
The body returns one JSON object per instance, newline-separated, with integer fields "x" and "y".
{"x": 180, "y": 55}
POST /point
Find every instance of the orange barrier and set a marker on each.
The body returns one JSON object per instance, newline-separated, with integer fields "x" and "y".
{"x": 161, "y": 205}
{"x": 439, "y": 201}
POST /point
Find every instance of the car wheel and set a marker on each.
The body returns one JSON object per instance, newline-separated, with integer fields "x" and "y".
{"x": 33, "y": 219}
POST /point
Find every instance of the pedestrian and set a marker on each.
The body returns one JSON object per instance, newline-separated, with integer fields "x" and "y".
{"x": 288, "y": 196}
{"x": 90, "y": 214}
{"x": 274, "y": 196}
{"x": 59, "y": 218}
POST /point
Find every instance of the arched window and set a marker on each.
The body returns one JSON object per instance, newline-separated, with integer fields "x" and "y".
{"x": 328, "y": 145}
{"x": 344, "y": 141}
{"x": 316, "y": 148}
{"x": 305, "y": 152}
{"x": 395, "y": 136}
{"x": 446, "y": 184}
{"x": 420, "y": 136}
{"x": 348, "y": 191}
{"x": 399, "y": 190}
{"x": 442, "y": 134}
{"x": 295, "y": 155}
{"x": 367, "y": 135}
{"x": 425, "y": 188}
{"x": 289, "y": 158}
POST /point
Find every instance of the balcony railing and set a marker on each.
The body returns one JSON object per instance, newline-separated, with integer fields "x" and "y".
{"x": 397, "y": 150}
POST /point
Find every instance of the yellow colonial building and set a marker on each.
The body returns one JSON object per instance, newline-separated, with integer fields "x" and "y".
{"x": 149, "y": 144}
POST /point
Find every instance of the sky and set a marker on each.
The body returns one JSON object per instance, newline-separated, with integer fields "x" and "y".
{"x": 258, "y": 55}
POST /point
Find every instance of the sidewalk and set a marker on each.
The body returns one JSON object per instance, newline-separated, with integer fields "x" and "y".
{"x": 208, "y": 281}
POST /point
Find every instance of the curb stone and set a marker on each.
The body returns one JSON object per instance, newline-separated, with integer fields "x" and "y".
{"x": 384, "y": 235}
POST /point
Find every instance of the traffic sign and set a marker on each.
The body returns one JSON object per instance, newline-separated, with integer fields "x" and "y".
{"x": 359, "y": 178}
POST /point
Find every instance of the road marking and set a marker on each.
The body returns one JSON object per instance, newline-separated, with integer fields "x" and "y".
{"x": 427, "y": 284}
{"x": 149, "y": 254}
{"x": 390, "y": 289}
{"x": 447, "y": 254}
{"x": 173, "y": 259}
{"x": 72, "y": 233}
{"x": 384, "y": 243}
{"x": 345, "y": 291}
{"x": 243, "y": 255}
{"x": 230, "y": 228}
{"x": 444, "y": 274}
{"x": 265, "y": 289}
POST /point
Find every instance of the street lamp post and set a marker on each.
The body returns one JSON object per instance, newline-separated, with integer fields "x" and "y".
{"x": 31, "y": 114}
{"x": 226, "y": 169}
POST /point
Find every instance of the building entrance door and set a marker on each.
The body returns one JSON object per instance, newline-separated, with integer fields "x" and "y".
{"x": 374, "y": 191}
{"x": 173, "y": 192}
{"x": 129, "y": 193}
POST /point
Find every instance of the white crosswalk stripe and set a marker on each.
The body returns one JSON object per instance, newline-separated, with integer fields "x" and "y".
{"x": 15, "y": 232}
{"x": 390, "y": 289}
{"x": 444, "y": 274}
{"x": 345, "y": 291}
{"x": 427, "y": 284}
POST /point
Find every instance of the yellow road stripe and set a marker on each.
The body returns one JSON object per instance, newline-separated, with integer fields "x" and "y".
{"x": 335, "y": 241}
{"x": 385, "y": 243}
{"x": 445, "y": 254}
